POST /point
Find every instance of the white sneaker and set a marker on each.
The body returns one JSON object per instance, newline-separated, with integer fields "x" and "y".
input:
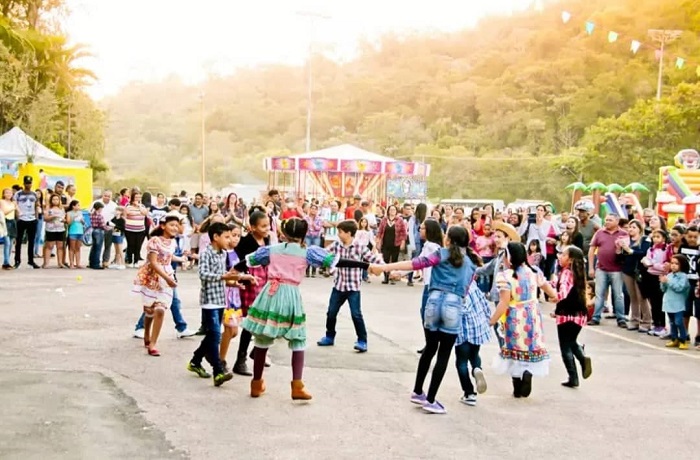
{"x": 139, "y": 333}
{"x": 480, "y": 380}
{"x": 185, "y": 333}
{"x": 113, "y": 267}
{"x": 121, "y": 267}
{"x": 468, "y": 400}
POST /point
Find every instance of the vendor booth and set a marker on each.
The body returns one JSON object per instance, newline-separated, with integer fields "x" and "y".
{"x": 344, "y": 171}
{"x": 20, "y": 156}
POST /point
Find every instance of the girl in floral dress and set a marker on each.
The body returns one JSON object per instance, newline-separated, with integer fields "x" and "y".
{"x": 155, "y": 282}
{"x": 278, "y": 311}
{"x": 571, "y": 313}
{"x": 523, "y": 353}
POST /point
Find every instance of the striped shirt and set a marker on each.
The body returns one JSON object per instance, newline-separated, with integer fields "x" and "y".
{"x": 135, "y": 221}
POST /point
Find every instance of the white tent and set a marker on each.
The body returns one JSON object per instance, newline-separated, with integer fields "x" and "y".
{"x": 19, "y": 146}
{"x": 346, "y": 152}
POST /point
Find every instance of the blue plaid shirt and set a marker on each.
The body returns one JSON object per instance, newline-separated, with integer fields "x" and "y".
{"x": 476, "y": 315}
{"x": 350, "y": 279}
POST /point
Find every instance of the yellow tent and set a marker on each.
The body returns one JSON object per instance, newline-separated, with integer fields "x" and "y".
{"x": 20, "y": 156}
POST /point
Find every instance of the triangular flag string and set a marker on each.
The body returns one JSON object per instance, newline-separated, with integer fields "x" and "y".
{"x": 635, "y": 45}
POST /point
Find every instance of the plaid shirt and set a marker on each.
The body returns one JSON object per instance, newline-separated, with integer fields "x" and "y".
{"x": 476, "y": 315}
{"x": 212, "y": 265}
{"x": 97, "y": 221}
{"x": 350, "y": 279}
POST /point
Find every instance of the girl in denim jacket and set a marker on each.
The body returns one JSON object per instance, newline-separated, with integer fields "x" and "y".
{"x": 452, "y": 272}
{"x": 656, "y": 263}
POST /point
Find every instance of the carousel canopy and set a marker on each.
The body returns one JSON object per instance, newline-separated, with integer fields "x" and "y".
{"x": 345, "y": 152}
{"x": 346, "y": 158}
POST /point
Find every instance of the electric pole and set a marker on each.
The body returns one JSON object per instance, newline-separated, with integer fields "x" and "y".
{"x": 204, "y": 138}
{"x": 663, "y": 36}
{"x": 309, "y": 83}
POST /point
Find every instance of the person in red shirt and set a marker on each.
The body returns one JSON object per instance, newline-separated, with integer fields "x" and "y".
{"x": 350, "y": 210}
{"x": 291, "y": 210}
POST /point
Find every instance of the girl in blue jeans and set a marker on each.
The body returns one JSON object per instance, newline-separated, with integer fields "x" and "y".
{"x": 676, "y": 289}
{"x": 452, "y": 271}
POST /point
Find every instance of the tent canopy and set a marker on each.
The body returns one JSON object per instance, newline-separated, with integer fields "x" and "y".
{"x": 18, "y": 146}
{"x": 346, "y": 152}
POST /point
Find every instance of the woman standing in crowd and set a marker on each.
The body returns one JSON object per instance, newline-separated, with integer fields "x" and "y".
{"x": 572, "y": 225}
{"x": 632, "y": 274}
{"x": 135, "y": 229}
{"x": 55, "y": 219}
{"x": 9, "y": 210}
{"x": 230, "y": 209}
{"x": 391, "y": 238}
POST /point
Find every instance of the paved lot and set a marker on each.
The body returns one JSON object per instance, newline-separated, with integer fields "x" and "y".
{"x": 76, "y": 385}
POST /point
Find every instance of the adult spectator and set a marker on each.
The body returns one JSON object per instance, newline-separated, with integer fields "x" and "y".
{"x": 606, "y": 246}
{"x": 350, "y": 209}
{"x": 60, "y": 190}
{"x": 543, "y": 231}
{"x": 71, "y": 190}
{"x": 391, "y": 238}
{"x": 330, "y": 223}
{"x": 274, "y": 195}
{"x": 586, "y": 225}
{"x": 135, "y": 229}
{"x": 198, "y": 211}
{"x": 27, "y": 209}
{"x": 109, "y": 208}
{"x": 647, "y": 214}
{"x": 290, "y": 210}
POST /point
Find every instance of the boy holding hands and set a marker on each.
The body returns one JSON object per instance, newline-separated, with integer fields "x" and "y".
{"x": 212, "y": 297}
{"x": 347, "y": 284}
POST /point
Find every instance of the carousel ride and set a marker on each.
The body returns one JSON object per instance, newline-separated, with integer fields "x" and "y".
{"x": 345, "y": 171}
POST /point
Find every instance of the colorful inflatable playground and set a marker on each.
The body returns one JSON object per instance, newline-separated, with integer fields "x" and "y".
{"x": 678, "y": 196}
{"x": 679, "y": 186}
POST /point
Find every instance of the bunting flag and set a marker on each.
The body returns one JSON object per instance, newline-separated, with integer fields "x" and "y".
{"x": 635, "y": 46}
{"x": 590, "y": 27}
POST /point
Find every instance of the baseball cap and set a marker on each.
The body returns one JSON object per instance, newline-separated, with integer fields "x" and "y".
{"x": 584, "y": 205}
{"x": 357, "y": 197}
{"x": 28, "y": 179}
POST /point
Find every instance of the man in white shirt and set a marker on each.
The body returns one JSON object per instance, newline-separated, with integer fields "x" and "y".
{"x": 108, "y": 211}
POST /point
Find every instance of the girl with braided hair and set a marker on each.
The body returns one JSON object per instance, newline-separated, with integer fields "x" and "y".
{"x": 278, "y": 311}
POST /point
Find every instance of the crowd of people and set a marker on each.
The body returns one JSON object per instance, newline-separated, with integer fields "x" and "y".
{"x": 484, "y": 273}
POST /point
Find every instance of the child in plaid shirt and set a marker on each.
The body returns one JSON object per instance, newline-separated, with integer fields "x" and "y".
{"x": 347, "y": 284}
{"x": 212, "y": 297}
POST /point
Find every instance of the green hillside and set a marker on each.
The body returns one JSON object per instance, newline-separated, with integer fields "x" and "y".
{"x": 518, "y": 106}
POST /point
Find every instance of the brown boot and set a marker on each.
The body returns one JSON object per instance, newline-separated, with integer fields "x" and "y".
{"x": 298, "y": 391}
{"x": 257, "y": 387}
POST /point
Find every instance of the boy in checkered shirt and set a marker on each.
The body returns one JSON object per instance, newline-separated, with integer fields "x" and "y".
{"x": 347, "y": 284}
{"x": 212, "y": 297}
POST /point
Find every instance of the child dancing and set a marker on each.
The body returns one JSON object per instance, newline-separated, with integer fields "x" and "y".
{"x": 155, "y": 282}
{"x": 452, "y": 272}
{"x": 571, "y": 313}
{"x": 278, "y": 311}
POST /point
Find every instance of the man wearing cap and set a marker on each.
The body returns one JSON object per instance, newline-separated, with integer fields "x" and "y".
{"x": 587, "y": 226}
{"x": 27, "y": 211}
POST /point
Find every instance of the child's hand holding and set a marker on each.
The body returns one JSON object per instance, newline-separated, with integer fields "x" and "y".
{"x": 663, "y": 278}
{"x": 171, "y": 282}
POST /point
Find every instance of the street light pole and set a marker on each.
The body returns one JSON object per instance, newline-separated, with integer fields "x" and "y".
{"x": 662, "y": 36}
{"x": 309, "y": 83}
{"x": 204, "y": 138}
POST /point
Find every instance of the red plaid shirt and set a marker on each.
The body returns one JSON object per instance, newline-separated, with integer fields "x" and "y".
{"x": 350, "y": 279}
{"x": 97, "y": 221}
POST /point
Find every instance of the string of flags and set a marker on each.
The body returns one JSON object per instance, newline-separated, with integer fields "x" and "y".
{"x": 613, "y": 37}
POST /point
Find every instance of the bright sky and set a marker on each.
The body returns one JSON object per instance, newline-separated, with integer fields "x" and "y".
{"x": 148, "y": 40}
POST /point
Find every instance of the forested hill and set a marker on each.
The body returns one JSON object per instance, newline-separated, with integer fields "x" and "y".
{"x": 519, "y": 105}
